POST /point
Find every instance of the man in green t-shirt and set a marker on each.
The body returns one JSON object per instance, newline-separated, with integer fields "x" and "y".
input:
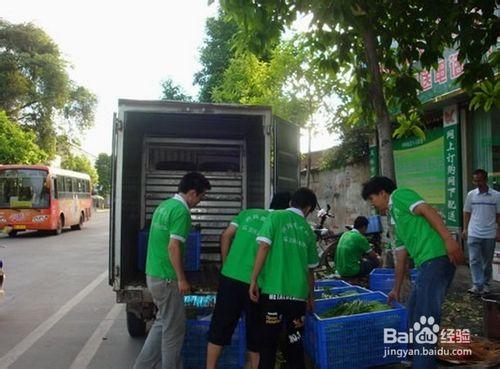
{"x": 420, "y": 233}
{"x": 350, "y": 250}
{"x": 238, "y": 249}
{"x": 165, "y": 274}
{"x": 286, "y": 255}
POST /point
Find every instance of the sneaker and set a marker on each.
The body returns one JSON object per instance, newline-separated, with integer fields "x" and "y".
{"x": 486, "y": 289}
{"x": 475, "y": 290}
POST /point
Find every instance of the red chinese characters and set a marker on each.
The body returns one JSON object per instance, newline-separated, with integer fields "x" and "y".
{"x": 440, "y": 75}
{"x": 456, "y": 68}
{"x": 426, "y": 80}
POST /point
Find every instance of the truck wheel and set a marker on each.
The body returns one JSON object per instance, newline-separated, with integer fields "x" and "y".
{"x": 136, "y": 327}
{"x": 12, "y": 234}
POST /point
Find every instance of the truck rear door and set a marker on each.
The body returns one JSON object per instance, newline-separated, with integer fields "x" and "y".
{"x": 115, "y": 211}
{"x": 286, "y": 157}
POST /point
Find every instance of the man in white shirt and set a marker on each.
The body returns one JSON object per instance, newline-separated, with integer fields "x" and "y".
{"x": 481, "y": 228}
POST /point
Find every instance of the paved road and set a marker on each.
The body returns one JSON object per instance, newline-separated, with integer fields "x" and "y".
{"x": 58, "y": 311}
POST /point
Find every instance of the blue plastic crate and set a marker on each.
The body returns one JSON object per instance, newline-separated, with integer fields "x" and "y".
{"x": 310, "y": 338}
{"x": 194, "y": 351}
{"x": 374, "y": 224}
{"x": 355, "y": 341}
{"x": 310, "y": 334}
{"x": 382, "y": 279}
{"x": 335, "y": 290}
{"x": 191, "y": 253}
{"x": 193, "y": 250}
{"x": 322, "y": 283}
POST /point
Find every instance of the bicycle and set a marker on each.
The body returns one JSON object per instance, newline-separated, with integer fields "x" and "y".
{"x": 326, "y": 240}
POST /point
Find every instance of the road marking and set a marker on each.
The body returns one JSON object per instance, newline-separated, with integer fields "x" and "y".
{"x": 94, "y": 342}
{"x": 10, "y": 357}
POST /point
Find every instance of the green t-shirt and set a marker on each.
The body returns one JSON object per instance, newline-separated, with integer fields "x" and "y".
{"x": 352, "y": 245}
{"x": 171, "y": 219}
{"x": 414, "y": 231}
{"x": 240, "y": 260}
{"x": 292, "y": 253}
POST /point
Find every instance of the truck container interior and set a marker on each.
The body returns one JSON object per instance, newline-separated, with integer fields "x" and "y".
{"x": 228, "y": 149}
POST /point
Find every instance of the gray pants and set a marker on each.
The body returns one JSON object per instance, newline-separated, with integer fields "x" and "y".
{"x": 164, "y": 342}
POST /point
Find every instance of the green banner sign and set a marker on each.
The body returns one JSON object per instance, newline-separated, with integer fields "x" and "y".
{"x": 453, "y": 208}
{"x": 420, "y": 166}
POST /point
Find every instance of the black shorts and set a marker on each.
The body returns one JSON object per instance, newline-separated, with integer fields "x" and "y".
{"x": 367, "y": 266}
{"x": 276, "y": 315}
{"x": 232, "y": 300}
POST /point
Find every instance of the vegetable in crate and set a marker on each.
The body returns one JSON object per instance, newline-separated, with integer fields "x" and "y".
{"x": 331, "y": 295}
{"x": 354, "y": 307}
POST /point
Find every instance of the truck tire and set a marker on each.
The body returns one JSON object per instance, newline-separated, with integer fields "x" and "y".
{"x": 136, "y": 327}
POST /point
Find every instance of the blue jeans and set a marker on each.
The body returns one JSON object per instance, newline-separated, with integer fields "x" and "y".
{"x": 426, "y": 297}
{"x": 481, "y": 251}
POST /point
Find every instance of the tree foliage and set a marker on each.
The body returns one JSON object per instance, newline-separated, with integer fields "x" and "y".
{"x": 80, "y": 163}
{"x": 485, "y": 96}
{"x": 379, "y": 50}
{"x": 35, "y": 89}
{"x": 286, "y": 81}
{"x": 103, "y": 168}
{"x": 215, "y": 55}
{"x": 16, "y": 145}
{"x": 172, "y": 91}
{"x": 352, "y": 149}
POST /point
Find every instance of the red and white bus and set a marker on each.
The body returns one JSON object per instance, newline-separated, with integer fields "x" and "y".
{"x": 37, "y": 197}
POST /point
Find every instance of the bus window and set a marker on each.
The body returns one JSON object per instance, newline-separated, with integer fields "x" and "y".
{"x": 23, "y": 188}
{"x": 68, "y": 185}
{"x": 55, "y": 187}
{"x": 61, "y": 184}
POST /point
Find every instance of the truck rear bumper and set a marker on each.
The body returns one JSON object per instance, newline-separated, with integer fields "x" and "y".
{"x": 134, "y": 295}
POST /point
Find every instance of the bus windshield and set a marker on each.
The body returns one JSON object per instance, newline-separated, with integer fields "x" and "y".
{"x": 23, "y": 188}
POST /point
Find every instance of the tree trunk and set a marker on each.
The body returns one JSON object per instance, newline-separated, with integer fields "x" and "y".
{"x": 384, "y": 127}
{"x": 309, "y": 161}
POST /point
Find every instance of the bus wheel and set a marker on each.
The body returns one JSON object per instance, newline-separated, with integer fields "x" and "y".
{"x": 79, "y": 226}
{"x": 59, "y": 228}
{"x": 12, "y": 234}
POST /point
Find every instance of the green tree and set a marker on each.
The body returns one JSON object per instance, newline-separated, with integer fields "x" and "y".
{"x": 80, "y": 163}
{"x": 287, "y": 81}
{"x": 215, "y": 54}
{"x": 16, "y": 145}
{"x": 172, "y": 91}
{"x": 103, "y": 168}
{"x": 35, "y": 89}
{"x": 380, "y": 49}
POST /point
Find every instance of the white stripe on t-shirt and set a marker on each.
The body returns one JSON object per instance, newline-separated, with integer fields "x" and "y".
{"x": 265, "y": 240}
{"x": 177, "y": 237}
{"x": 412, "y": 207}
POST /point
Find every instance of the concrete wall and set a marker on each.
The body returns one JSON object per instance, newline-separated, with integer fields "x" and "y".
{"x": 341, "y": 188}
